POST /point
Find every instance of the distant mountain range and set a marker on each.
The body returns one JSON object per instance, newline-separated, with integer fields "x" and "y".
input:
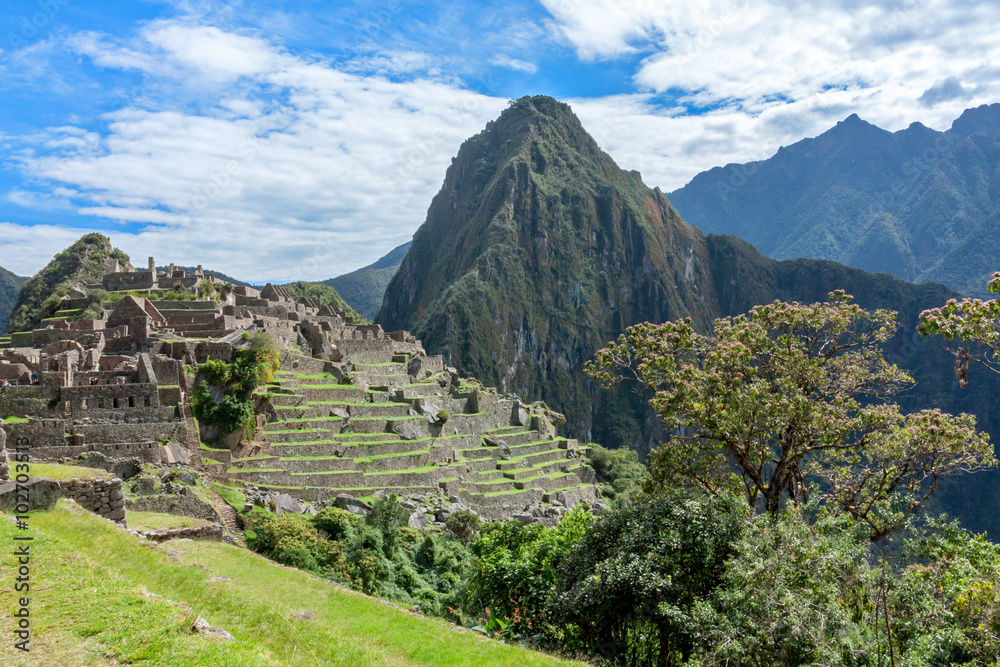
{"x": 10, "y": 285}
{"x": 539, "y": 249}
{"x": 917, "y": 203}
{"x": 363, "y": 289}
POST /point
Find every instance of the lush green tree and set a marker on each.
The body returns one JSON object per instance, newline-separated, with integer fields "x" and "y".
{"x": 946, "y": 603}
{"x": 251, "y": 367}
{"x": 974, "y": 321}
{"x": 620, "y": 470}
{"x": 796, "y": 594}
{"x": 464, "y": 525}
{"x": 792, "y": 399}
{"x": 517, "y": 567}
{"x": 638, "y": 584}
{"x": 388, "y": 516}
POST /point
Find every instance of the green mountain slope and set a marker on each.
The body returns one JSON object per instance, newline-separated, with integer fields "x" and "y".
{"x": 539, "y": 250}
{"x": 323, "y": 294}
{"x": 364, "y": 288}
{"x": 84, "y": 261}
{"x": 536, "y": 251}
{"x": 920, "y": 204}
{"x": 10, "y": 286}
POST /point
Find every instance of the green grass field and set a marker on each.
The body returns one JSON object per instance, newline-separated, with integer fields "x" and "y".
{"x": 90, "y": 606}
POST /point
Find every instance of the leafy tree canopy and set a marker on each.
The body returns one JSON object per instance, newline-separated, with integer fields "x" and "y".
{"x": 790, "y": 400}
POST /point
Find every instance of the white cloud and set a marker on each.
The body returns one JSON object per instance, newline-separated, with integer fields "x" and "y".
{"x": 275, "y": 166}
{"x": 26, "y": 249}
{"x": 770, "y": 73}
{"x": 296, "y": 170}
{"x": 514, "y": 64}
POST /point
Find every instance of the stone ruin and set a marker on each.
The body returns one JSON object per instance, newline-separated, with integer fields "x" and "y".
{"x": 353, "y": 410}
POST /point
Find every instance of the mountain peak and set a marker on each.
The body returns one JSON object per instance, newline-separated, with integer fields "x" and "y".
{"x": 983, "y": 119}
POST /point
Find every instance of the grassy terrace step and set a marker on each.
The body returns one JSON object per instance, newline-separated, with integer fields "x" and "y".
{"x": 417, "y": 390}
{"x": 261, "y": 475}
{"x": 422, "y": 476}
{"x": 546, "y": 481}
{"x": 504, "y": 431}
{"x": 256, "y": 462}
{"x": 296, "y": 436}
{"x": 489, "y": 486}
{"x": 516, "y": 462}
{"x": 517, "y": 451}
{"x": 344, "y": 392}
{"x": 311, "y": 492}
{"x": 554, "y": 466}
{"x": 382, "y": 444}
{"x": 514, "y": 496}
{"x": 288, "y": 399}
{"x": 94, "y": 566}
{"x": 486, "y": 475}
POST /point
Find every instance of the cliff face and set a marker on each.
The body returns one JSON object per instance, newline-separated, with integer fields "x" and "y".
{"x": 538, "y": 250}
{"x": 10, "y": 286}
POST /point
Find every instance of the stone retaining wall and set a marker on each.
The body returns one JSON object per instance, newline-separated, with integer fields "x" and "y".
{"x": 211, "y": 532}
{"x": 187, "y": 504}
{"x": 103, "y": 497}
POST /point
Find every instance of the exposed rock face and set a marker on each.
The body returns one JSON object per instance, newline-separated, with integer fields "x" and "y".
{"x": 10, "y": 285}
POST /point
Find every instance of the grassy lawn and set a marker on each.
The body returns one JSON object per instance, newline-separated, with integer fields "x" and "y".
{"x": 154, "y": 521}
{"x": 56, "y": 471}
{"x": 88, "y": 608}
{"x": 15, "y": 420}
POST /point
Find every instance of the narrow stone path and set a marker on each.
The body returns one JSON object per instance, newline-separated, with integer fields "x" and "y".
{"x": 229, "y": 518}
{"x": 192, "y": 440}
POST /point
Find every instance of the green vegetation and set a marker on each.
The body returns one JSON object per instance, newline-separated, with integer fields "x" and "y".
{"x": 64, "y": 472}
{"x": 92, "y": 606}
{"x": 148, "y": 521}
{"x": 620, "y": 470}
{"x": 322, "y": 294}
{"x": 251, "y": 367}
{"x": 378, "y": 555}
{"x": 41, "y": 296}
{"x": 791, "y": 401}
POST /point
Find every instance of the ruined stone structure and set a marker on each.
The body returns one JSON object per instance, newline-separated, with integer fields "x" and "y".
{"x": 354, "y": 409}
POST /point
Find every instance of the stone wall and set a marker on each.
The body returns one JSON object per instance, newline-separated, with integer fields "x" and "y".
{"x": 26, "y": 400}
{"x": 122, "y": 282}
{"x": 125, "y": 433}
{"x": 147, "y": 452}
{"x": 211, "y": 532}
{"x": 40, "y": 432}
{"x": 103, "y": 497}
{"x": 185, "y": 503}
{"x": 139, "y": 402}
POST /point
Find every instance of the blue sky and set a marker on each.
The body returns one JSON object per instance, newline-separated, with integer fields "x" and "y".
{"x": 301, "y": 140}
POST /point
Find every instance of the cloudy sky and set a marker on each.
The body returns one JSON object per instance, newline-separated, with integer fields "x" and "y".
{"x": 300, "y": 140}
